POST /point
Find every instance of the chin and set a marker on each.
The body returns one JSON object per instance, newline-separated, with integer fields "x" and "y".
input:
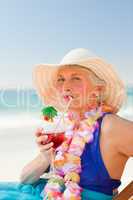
{"x": 74, "y": 107}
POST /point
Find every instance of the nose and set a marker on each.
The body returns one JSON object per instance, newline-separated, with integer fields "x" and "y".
{"x": 67, "y": 86}
{"x": 67, "y": 90}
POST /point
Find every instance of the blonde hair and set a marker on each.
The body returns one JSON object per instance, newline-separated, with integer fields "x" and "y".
{"x": 97, "y": 82}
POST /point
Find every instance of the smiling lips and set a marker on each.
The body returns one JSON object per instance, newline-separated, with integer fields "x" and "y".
{"x": 68, "y": 97}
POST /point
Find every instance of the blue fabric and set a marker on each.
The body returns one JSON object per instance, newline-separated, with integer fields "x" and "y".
{"x": 18, "y": 191}
{"x": 94, "y": 175}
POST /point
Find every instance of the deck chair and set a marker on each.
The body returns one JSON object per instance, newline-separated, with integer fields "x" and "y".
{"x": 126, "y": 193}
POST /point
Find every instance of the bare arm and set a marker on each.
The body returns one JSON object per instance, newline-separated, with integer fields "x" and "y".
{"x": 121, "y": 133}
{"x": 34, "y": 169}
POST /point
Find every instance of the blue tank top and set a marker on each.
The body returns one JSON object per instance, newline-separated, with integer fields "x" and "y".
{"x": 94, "y": 175}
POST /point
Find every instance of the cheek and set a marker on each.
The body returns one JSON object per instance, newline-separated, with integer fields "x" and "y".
{"x": 84, "y": 91}
{"x": 82, "y": 88}
{"x": 79, "y": 88}
{"x": 59, "y": 88}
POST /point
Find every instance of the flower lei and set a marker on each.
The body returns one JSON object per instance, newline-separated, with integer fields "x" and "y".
{"x": 64, "y": 185}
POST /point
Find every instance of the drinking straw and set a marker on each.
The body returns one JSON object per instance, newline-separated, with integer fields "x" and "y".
{"x": 62, "y": 116}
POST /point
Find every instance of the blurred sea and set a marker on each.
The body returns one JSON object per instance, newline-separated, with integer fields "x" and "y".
{"x": 20, "y": 107}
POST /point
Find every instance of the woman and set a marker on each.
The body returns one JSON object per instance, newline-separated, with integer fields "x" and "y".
{"x": 95, "y": 90}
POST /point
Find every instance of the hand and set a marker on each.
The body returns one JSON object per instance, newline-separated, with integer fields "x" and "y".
{"x": 44, "y": 146}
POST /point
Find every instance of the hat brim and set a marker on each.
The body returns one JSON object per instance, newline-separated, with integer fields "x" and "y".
{"x": 44, "y": 74}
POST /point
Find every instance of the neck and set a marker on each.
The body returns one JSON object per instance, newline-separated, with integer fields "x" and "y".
{"x": 79, "y": 113}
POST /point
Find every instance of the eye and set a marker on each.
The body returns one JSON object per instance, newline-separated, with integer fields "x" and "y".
{"x": 60, "y": 79}
{"x": 76, "y": 78}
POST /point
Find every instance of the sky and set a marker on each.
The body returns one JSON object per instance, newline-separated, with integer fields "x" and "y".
{"x": 43, "y": 31}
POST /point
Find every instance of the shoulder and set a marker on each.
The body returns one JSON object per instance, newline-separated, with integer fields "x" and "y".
{"x": 109, "y": 121}
{"x": 113, "y": 122}
{"x": 120, "y": 133}
{"x": 107, "y": 131}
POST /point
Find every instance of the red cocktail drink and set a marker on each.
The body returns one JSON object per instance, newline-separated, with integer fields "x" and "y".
{"x": 56, "y": 138}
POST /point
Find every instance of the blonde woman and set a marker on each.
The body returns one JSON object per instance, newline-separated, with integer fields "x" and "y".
{"x": 96, "y": 93}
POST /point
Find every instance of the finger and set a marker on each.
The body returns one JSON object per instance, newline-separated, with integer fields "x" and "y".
{"x": 46, "y": 147}
{"x": 41, "y": 139}
{"x": 49, "y": 151}
{"x": 38, "y": 132}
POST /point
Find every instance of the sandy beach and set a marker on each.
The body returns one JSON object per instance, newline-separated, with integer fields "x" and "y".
{"x": 17, "y": 147}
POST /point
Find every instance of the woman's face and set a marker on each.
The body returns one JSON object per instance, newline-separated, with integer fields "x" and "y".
{"x": 74, "y": 82}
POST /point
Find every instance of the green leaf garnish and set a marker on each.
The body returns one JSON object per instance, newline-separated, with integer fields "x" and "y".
{"x": 49, "y": 112}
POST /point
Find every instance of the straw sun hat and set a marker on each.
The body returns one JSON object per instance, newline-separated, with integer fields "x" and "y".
{"x": 44, "y": 74}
